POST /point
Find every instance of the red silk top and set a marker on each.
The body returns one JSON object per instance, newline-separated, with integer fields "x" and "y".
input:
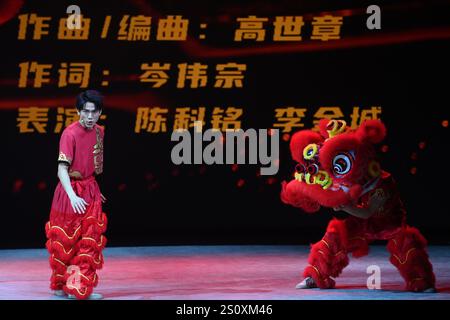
{"x": 82, "y": 149}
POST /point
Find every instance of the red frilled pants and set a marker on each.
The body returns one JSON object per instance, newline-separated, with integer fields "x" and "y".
{"x": 407, "y": 247}
{"x": 75, "y": 241}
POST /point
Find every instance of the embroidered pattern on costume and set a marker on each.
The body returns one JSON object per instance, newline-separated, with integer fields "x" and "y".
{"x": 98, "y": 153}
{"x": 75, "y": 174}
{"x": 63, "y": 157}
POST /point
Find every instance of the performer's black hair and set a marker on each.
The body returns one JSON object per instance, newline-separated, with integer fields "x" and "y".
{"x": 90, "y": 96}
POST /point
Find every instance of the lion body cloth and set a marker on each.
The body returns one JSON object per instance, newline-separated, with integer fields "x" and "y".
{"x": 337, "y": 167}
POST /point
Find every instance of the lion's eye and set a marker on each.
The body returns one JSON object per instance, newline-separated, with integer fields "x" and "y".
{"x": 342, "y": 163}
{"x": 310, "y": 151}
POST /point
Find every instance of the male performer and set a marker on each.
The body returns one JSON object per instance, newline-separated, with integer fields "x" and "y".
{"x": 77, "y": 222}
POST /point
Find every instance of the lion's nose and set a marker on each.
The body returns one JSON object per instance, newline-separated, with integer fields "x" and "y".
{"x": 322, "y": 178}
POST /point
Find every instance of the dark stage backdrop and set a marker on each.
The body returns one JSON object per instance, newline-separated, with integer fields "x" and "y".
{"x": 163, "y": 64}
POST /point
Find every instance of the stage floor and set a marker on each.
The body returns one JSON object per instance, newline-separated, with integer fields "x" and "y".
{"x": 217, "y": 273}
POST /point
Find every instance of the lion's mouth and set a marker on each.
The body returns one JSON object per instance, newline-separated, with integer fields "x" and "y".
{"x": 337, "y": 187}
{"x": 323, "y": 179}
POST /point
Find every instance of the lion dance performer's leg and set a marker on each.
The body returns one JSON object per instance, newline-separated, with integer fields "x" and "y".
{"x": 328, "y": 257}
{"x": 409, "y": 255}
{"x": 75, "y": 241}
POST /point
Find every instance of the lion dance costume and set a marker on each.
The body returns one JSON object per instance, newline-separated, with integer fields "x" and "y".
{"x": 338, "y": 167}
{"x": 75, "y": 241}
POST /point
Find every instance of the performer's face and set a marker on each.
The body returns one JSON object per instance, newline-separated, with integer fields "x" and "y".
{"x": 89, "y": 115}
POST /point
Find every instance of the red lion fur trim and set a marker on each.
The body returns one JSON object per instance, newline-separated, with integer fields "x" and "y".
{"x": 292, "y": 195}
{"x": 409, "y": 255}
{"x": 371, "y": 131}
{"x": 328, "y": 257}
{"x": 310, "y": 197}
{"x": 408, "y": 238}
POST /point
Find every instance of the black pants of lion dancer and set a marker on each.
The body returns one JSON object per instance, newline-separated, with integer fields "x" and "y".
{"x": 75, "y": 241}
{"x": 407, "y": 247}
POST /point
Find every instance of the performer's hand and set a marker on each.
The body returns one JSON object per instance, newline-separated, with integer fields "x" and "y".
{"x": 78, "y": 204}
{"x": 103, "y": 197}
